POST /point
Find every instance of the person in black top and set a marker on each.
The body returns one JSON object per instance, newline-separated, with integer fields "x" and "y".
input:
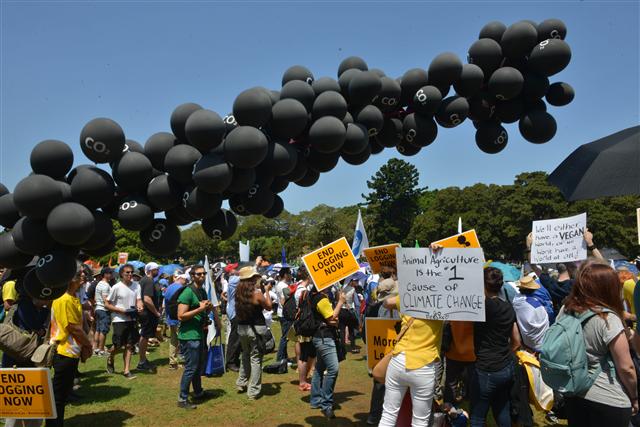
{"x": 150, "y": 317}
{"x": 494, "y": 341}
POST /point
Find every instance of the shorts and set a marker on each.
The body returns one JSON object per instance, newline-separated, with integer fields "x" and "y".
{"x": 307, "y": 350}
{"x": 148, "y": 325}
{"x": 103, "y": 321}
{"x": 125, "y": 334}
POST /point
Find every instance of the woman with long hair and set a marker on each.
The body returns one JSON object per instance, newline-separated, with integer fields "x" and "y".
{"x": 250, "y": 301}
{"x": 613, "y": 397}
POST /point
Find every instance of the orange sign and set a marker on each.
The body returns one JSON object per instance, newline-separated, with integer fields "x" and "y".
{"x": 381, "y": 338}
{"x": 26, "y": 393}
{"x": 381, "y": 255}
{"x": 330, "y": 263}
{"x": 468, "y": 239}
{"x": 123, "y": 257}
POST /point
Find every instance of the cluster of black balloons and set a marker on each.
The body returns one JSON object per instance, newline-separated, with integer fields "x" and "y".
{"x": 270, "y": 139}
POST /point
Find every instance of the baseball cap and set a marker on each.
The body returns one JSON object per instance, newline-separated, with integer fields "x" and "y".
{"x": 230, "y": 267}
{"x": 151, "y": 266}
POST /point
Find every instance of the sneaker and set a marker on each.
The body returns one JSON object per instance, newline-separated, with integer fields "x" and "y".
{"x": 145, "y": 366}
{"x": 96, "y": 352}
{"x": 241, "y": 388}
{"x": 551, "y": 418}
{"x": 233, "y": 368}
{"x": 202, "y": 396}
{"x": 372, "y": 421}
{"x": 110, "y": 368}
{"x": 328, "y": 412}
{"x": 173, "y": 367}
{"x": 186, "y": 405}
{"x": 129, "y": 376}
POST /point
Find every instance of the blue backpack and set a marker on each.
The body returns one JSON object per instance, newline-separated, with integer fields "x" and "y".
{"x": 563, "y": 358}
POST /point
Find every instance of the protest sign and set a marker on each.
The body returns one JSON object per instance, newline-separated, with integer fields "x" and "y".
{"x": 123, "y": 257}
{"x": 26, "y": 393}
{"x": 559, "y": 240}
{"x": 468, "y": 239}
{"x": 441, "y": 285}
{"x": 331, "y": 263}
{"x": 381, "y": 338}
{"x": 381, "y": 255}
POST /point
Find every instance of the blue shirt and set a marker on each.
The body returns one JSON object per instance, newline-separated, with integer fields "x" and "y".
{"x": 167, "y": 296}
{"x": 231, "y": 297}
{"x": 544, "y": 297}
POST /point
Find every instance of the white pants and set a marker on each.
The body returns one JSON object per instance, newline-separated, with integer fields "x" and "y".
{"x": 421, "y": 383}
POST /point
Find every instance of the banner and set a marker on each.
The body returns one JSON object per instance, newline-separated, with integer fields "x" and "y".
{"x": 559, "y": 240}
{"x": 381, "y": 338}
{"x": 381, "y": 255}
{"x": 244, "y": 251}
{"x": 26, "y": 393}
{"x": 468, "y": 239}
{"x": 360, "y": 239}
{"x": 330, "y": 263}
{"x": 123, "y": 257}
{"x": 443, "y": 285}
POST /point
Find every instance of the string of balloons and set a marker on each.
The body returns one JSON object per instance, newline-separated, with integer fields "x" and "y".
{"x": 269, "y": 140}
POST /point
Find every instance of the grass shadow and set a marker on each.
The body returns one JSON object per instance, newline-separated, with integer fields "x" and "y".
{"x": 213, "y": 394}
{"x": 319, "y": 420}
{"x": 101, "y": 393}
{"x": 111, "y": 418}
{"x": 271, "y": 389}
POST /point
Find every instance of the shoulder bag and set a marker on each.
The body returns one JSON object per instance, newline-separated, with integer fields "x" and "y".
{"x": 380, "y": 370}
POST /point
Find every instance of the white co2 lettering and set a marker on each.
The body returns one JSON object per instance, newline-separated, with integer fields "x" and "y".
{"x": 185, "y": 197}
{"x": 216, "y": 234}
{"x": 501, "y": 139}
{"x": 97, "y": 146}
{"x": 543, "y": 44}
{"x": 421, "y": 97}
{"x": 411, "y": 135}
{"x": 455, "y": 119}
{"x": 126, "y": 205}
{"x": 555, "y": 34}
{"x": 45, "y": 259}
{"x": 156, "y": 234}
{"x": 230, "y": 120}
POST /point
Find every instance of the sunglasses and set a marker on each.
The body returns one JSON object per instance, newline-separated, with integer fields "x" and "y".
{"x": 127, "y": 272}
{"x": 198, "y": 274}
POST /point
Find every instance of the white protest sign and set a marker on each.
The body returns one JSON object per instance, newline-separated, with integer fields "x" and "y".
{"x": 559, "y": 240}
{"x": 443, "y": 285}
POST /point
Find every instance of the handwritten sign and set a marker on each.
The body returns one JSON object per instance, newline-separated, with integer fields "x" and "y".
{"x": 559, "y": 240}
{"x": 468, "y": 239}
{"x": 443, "y": 285}
{"x": 379, "y": 256}
{"x": 26, "y": 393}
{"x": 123, "y": 257}
{"x": 381, "y": 338}
{"x": 330, "y": 263}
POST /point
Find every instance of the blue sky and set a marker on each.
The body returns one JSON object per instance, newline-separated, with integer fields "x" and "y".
{"x": 64, "y": 63}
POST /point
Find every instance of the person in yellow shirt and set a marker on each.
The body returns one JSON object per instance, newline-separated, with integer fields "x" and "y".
{"x": 9, "y": 294}
{"x": 73, "y": 343}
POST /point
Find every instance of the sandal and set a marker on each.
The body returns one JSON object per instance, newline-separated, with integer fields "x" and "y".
{"x": 304, "y": 387}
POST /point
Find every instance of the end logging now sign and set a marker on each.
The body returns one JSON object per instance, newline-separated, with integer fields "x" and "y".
{"x": 26, "y": 393}
{"x": 330, "y": 263}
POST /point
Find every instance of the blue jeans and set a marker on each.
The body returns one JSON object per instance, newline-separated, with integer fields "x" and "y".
{"x": 282, "y": 347}
{"x": 491, "y": 389}
{"x": 193, "y": 352}
{"x": 322, "y": 384}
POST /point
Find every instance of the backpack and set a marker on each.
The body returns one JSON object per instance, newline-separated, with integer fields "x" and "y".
{"x": 91, "y": 290}
{"x": 290, "y": 308}
{"x": 172, "y": 303}
{"x": 563, "y": 358}
{"x": 307, "y": 323}
{"x": 23, "y": 346}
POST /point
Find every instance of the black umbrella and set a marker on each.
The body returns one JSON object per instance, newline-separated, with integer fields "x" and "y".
{"x": 607, "y": 167}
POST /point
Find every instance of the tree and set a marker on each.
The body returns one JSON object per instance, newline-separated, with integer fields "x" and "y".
{"x": 393, "y": 202}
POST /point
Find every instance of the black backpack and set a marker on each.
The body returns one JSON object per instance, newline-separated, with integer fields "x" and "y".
{"x": 172, "y": 303}
{"x": 307, "y": 323}
{"x": 290, "y": 308}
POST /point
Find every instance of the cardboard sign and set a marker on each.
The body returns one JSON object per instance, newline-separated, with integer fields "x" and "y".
{"x": 443, "y": 285}
{"x": 379, "y": 256}
{"x": 559, "y": 240}
{"x": 468, "y": 239}
{"x": 381, "y": 338}
{"x": 123, "y": 257}
{"x": 26, "y": 393}
{"x": 330, "y": 263}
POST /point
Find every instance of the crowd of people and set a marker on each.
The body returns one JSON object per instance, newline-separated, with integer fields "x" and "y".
{"x": 444, "y": 365}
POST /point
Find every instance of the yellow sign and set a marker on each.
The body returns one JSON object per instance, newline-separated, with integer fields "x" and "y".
{"x": 381, "y": 338}
{"x": 468, "y": 239}
{"x": 330, "y": 263}
{"x": 26, "y": 393}
{"x": 379, "y": 256}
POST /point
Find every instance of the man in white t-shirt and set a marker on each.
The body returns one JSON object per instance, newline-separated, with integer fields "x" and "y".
{"x": 125, "y": 303}
{"x": 102, "y": 314}
{"x": 284, "y": 275}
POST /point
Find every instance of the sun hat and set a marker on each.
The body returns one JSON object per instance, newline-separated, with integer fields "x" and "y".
{"x": 527, "y": 282}
{"x": 246, "y": 273}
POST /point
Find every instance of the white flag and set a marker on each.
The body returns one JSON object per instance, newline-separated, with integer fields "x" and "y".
{"x": 244, "y": 251}
{"x": 459, "y": 225}
{"x": 360, "y": 240}
{"x": 211, "y": 295}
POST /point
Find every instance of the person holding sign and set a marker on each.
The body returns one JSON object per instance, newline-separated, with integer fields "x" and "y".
{"x": 73, "y": 343}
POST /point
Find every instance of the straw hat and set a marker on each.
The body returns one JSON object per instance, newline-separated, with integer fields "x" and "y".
{"x": 247, "y": 273}
{"x": 527, "y": 282}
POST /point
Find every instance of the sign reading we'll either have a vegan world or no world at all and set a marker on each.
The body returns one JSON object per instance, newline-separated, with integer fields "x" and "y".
{"x": 559, "y": 240}
{"x": 441, "y": 285}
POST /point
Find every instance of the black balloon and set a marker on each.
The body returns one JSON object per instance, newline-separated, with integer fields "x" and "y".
{"x": 259, "y": 199}
{"x": 297, "y": 72}
{"x": 509, "y": 111}
{"x": 164, "y": 193}
{"x": 157, "y": 147}
{"x": 179, "y": 162}
{"x": 378, "y": 72}
{"x": 299, "y": 170}
{"x": 411, "y": 81}
{"x": 552, "y": 29}
{"x": 179, "y": 119}
{"x": 31, "y": 237}
{"x": 65, "y": 191}
{"x": 3, "y": 190}
{"x": 375, "y": 146}
{"x": 275, "y": 96}
{"x": 279, "y": 184}
{"x": 427, "y": 100}
{"x": 70, "y": 224}
{"x": 324, "y": 84}
{"x": 329, "y": 103}
{"x": 288, "y": 118}
{"x": 102, "y": 233}
{"x": 345, "y": 80}
{"x": 200, "y": 204}
{"x": 92, "y": 187}
{"x": 133, "y": 171}
{"x": 34, "y": 288}
{"x": 322, "y": 162}
{"x": 491, "y": 137}
{"x": 245, "y": 147}
{"x": 391, "y": 133}
{"x": 481, "y": 107}
{"x": 493, "y": 30}
{"x": 486, "y": 54}
{"x": 388, "y": 98}
{"x": 52, "y": 158}
{"x": 300, "y": 91}
{"x": 452, "y": 111}
{"x": 505, "y": 83}
{"x": 253, "y": 107}
{"x": 348, "y": 118}
{"x": 356, "y": 139}
{"x": 36, "y": 195}
{"x": 179, "y": 215}
{"x": 358, "y": 158}
{"x": 407, "y": 149}
{"x": 518, "y": 39}
{"x": 419, "y": 130}
{"x": 534, "y": 104}
{"x": 212, "y": 174}
{"x": 537, "y": 127}
{"x": 444, "y": 69}
{"x": 102, "y": 140}
{"x": 534, "y": 85}
{"x": 276, "y": 207}
{"x": 470, "y": 81}
{"x": 10, "y": 255}
{"x": 56, "y": 268}
{"x": 549, "y": 57}
{"x": 221, "y": 226}
{"x": 230, "y": 123}
{"x": 370, "y": 117}
{"x": 242, "y": 180}
{"x": 327, "y": 134}
{"x": 309, "y": 178}
{"x": 350, "y": 63}
{"x": 133, "y": 146}
{"x": 560, "y": 94}
{"x": 102, "y": 250}
{"x": 161, "y": 237}
{"x": 363, "y": 87}
{"x": 281, "y": 158}
{"x": 238, "y": 204}
{"x": 135, "y": 213}
{"x": 204, "y": 130}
